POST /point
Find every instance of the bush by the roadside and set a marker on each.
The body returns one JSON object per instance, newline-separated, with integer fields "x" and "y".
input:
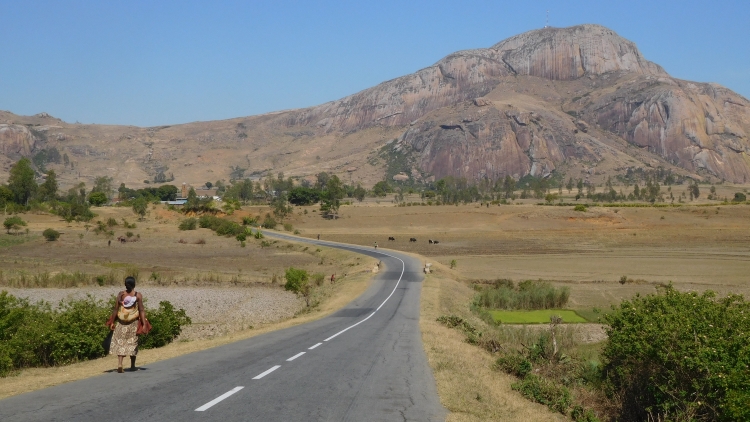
{"x": 546, "y": 392}
{"x": 167, "y": 324}
{"x": 680, "y": 356}
{"x": 51, "y": 235}
{"x": 35, "y": 334}
{"x": 221, "y": 226}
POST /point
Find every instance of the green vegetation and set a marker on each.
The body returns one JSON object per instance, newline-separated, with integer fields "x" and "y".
{"x": 14, "y": 223}
{"x": 679, "y": 356}
{"x": 503, "y": 294}
{"x": 535, "y": 317}
{"x": 297, "y": 281}
{"x": 188, "y": 224}
{"x": 51, "y": 235}
{"x": 33, "y": 335}
{"x": 221, "y": 226}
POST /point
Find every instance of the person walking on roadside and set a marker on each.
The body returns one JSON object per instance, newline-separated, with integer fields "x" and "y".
{"x": 376, "y": 245}
{"x": 127, "y": 313}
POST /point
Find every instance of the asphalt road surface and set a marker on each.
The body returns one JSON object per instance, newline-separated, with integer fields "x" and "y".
{"x": 363, "y": 363}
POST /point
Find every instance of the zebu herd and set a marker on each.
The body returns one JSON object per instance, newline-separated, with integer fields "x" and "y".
{"x": 414, "y": 239}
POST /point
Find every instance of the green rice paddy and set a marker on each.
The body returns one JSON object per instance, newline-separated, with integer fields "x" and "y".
{"x": 536, "y": 317}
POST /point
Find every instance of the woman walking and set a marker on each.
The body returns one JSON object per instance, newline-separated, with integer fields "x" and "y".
{"x": 128, "y": 311}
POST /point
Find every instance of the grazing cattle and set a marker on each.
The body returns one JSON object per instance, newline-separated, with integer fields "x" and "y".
{"x": 413, "y": 239}
{"x": 391, "y": 238}
{"x": 430, "y": 240}
{"x": 435, "y": 242}
{"x": 122, "y": 239}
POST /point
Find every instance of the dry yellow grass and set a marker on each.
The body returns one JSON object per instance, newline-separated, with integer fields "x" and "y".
{"x": 468, "y": 386}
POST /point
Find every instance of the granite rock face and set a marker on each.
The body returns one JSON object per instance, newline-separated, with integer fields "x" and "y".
{"x": 16, "y": 140}
{"x": 694, "y": 126}
{"x": 570, "y": 53}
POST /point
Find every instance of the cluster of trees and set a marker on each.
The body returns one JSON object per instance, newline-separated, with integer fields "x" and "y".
{"x": 150, "y": 194}
{"x": 22, "y": 192}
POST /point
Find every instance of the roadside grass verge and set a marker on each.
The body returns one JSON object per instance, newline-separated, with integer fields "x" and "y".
{"x": 541, "y": 316}
{"x": 467, "y": 385}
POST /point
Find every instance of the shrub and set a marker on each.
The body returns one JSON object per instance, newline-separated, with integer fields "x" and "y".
{"x": 546, "y": 392}
{"x": 167, "y": 325}
{"x": 188, "y": 224}
{"x": 249, "y": 221}
{"x": 297, "y": 282}
{"x": 269, "y": 222}
{"x": 51, "y": 234}
{"x": 318, "y": 279}
{"x": 679, "y": 356}
{"x": 288, "y": 227}
{"x": 514, "y": 364}
{"x": 579, "y": 207}
{"x": 739, "y": 197}
{"x": 14, "y": 223}
{"x": 111, "y": 222}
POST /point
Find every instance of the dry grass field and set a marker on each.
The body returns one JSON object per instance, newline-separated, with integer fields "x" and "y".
{"x": 695, "y": 246}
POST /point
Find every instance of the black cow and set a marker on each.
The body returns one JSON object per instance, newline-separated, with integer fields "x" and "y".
{"x": 391, "y": 238}
{"x": 413, "y": 239}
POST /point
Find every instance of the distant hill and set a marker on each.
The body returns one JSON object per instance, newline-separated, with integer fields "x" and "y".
{"x": 579, "y": 101}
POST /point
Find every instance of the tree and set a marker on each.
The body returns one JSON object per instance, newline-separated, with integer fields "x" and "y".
{"x": 280, "y": 207}
{"x": 297, "y": 281}
{"x": 21, "y": 181}
{"x": 695, "y": 192}
{"x": 322, "y": 180}
{"x": 569, "y": 185}
{"x": 382, "y": 188}
{"x": 359, "y": 193}
{"x": 48, "y": 190}
{"x": 103, "y": 184}
{"x": 209, "y": 184}
{"x": 332, "y": 196}
{"x": 140, "y": 206}
{"x": 301, "y": 195}
{"x": 97, "y": 199}
{"x": 14, "y": 223}
{"x": 509, "y": 186}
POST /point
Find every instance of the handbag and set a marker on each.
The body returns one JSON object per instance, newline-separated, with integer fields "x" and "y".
{"x": 107, "y": 342}
{"x": 143, "y": 329}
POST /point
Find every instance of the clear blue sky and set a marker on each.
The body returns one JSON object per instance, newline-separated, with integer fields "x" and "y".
{"x": 150, "y": 63}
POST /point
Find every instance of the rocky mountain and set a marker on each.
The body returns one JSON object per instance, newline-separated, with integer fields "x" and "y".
{"x": 581, "y": 101}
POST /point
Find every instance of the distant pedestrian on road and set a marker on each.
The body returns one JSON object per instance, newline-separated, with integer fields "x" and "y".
{"x": 376, "y": 245}
{"x": 318, "y": 237}
{"x": 333, "y": 278}
{"x": 128, "y": 311}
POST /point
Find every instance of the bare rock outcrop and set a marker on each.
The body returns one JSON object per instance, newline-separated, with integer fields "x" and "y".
{"x": 570, "y": 53}
{"x": 16, "y": 140}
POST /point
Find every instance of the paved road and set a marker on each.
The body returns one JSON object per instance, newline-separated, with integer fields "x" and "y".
{"x": 363, "y": 363}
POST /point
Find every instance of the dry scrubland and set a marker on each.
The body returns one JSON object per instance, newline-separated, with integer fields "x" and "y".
{"x": 697, "y": 246}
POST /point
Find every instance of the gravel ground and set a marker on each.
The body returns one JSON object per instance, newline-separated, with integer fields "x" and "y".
{"x": 213, "y": 310}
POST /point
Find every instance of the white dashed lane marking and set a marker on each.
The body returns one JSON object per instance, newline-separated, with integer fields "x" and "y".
{"x": 218, "y": 399}
{"x": 310, "y": 348}
{"x": 263, "y": 374}
{"x": 295, "y": 356}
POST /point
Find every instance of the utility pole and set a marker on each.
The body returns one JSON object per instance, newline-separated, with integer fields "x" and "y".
{"x": 547, "y": 22}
